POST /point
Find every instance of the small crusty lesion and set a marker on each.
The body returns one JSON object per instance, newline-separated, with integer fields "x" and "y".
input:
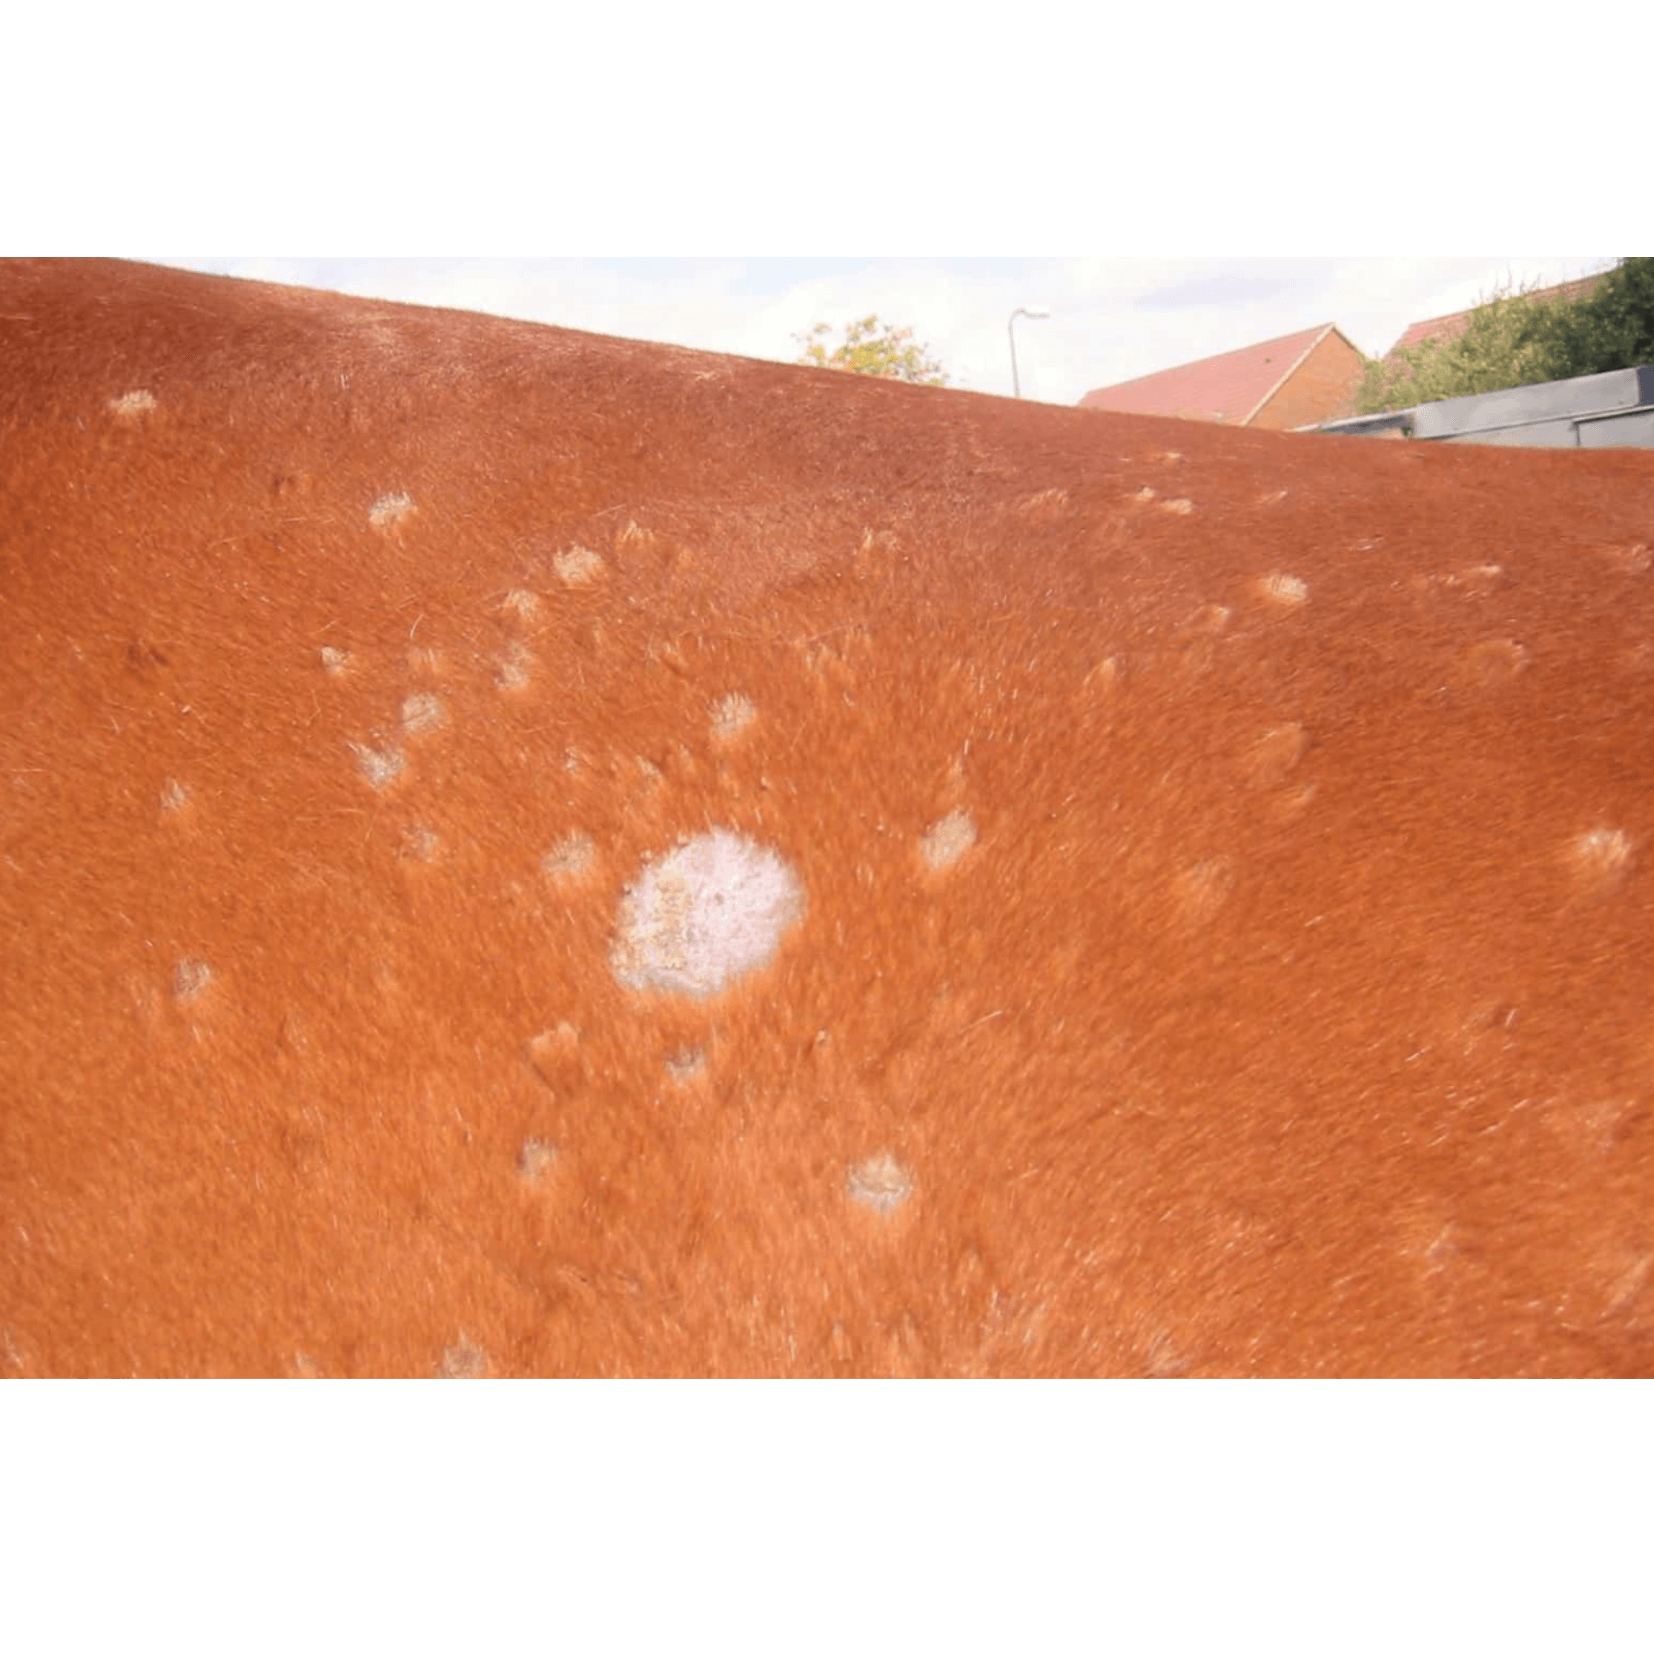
{"x": 569, "y": 857}
{"x": 731, "y": 714}
{"x": 516, "y": 668}
{"x": 463, "y": 1360}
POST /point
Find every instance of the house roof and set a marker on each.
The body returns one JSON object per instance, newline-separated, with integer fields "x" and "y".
{"x": 1444, "y": 329}
{"x": 1231, "y": 387}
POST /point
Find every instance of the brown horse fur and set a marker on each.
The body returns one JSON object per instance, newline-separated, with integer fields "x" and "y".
{"x": 1210, "y": 868}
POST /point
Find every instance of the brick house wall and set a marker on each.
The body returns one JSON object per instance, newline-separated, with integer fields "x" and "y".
{"x": 1300, "y": 379}
{"x": 1322, "y": 388}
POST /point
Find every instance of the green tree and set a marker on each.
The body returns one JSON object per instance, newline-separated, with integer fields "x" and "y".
{"x": 872, "y": 347}
{"x": 1614, "y": 327}
{"x": 1513, "y": 338}
{"x": 1507, "y": 341}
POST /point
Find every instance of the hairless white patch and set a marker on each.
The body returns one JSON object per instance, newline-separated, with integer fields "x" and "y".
{"x": 1602, "y": 857}
{"x": 577, "y": 566}
{"x": 536, "y": 1158}
{"x": 423, "y": 713}
{"x": 1285, "y": 591}
{"x": 516, "y": 669}
{"x": 132, "y": 406}
{"x": 948, "y": 839}
{"x": 881, "y": 1182}
{"x": 379, "y": 766}
{"x": 389, "y": 509}
{"x": 704, "y": 916}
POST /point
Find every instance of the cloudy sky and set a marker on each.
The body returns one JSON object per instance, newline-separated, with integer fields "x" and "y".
{"x": 1111, "y": 318}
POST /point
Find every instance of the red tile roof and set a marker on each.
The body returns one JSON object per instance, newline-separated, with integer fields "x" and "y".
{"x": 1231, "y": 387}
{"x": 1444, "y": 329}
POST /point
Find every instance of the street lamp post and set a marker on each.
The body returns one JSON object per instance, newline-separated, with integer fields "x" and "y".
{"x": 1011, "y": 328}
